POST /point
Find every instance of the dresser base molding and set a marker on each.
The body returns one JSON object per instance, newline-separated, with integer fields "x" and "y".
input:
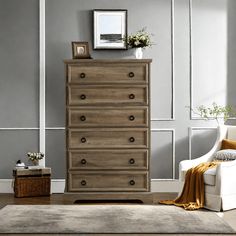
{"x": 108, "y": 197}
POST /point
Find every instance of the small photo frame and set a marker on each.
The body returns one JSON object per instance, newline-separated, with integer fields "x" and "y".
{"x": 80, "y": 50}
{"x": 109, "y": 29}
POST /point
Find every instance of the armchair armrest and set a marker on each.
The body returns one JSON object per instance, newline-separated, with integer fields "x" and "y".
{"x": 226, "y": 177}
{"x": 187, "y": 164}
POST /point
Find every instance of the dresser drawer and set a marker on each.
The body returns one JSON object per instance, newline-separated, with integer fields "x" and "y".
{"x": 108, "y": 181}
{"x": 80, "y": 117}
{"x": 105, "y": 73}
{"x": 108, "y": 159}
{"x": 108, "y": 138}
{"x": 105, "y": 95}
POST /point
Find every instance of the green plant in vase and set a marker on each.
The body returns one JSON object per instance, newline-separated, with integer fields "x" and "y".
{"x": 141, "y": 39}
{"x": 216, "y": 112}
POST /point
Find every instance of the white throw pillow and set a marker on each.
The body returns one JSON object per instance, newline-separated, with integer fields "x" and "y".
{"x": 225, "y": 155}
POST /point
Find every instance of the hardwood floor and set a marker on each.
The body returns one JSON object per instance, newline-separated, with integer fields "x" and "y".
{"x": 66, "y": 199}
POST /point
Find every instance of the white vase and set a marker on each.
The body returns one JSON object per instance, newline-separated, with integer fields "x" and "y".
{"x": 138, "y": 53}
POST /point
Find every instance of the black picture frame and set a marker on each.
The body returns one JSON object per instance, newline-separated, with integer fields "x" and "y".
{"x": 110, "y": 29}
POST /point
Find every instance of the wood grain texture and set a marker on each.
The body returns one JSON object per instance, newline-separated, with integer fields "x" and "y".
{"x": 108, "y": 138}
{"x": 108, "y": 181}
{"x": 108, "y": 117}
{"x": 104, "y": 159}
{"x": 108, "y": 126}
{"x": 89, "y": 95}
{"x": 110, "y": 73}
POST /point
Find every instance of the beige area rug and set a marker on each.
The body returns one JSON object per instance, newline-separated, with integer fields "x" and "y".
{"x": 122, "y": 219}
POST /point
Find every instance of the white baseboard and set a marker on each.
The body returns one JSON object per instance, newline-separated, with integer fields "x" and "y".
{"x": 58, "y": 185}
{"x": 165, "y": 186}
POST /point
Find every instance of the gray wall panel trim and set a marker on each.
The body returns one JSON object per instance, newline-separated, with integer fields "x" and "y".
{"x": 55, "y": 128}
{"x": 192, "y": 117}
{"x": 173, "y": 59}
{"x": 191, "y": 58}
{"x": 163, "y": 119}
{"x": 172, "y": 70}
{"x": 33, "y": 128}
{"x": 173, "y": 147}
{"x": 190, "y": 133}
{"x": 42, "y": 78}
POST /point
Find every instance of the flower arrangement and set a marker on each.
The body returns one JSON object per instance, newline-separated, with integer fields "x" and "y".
{"x": 141, "y": 39}
{"x": 35, "y": 156}
{"x": 215, "y": 112}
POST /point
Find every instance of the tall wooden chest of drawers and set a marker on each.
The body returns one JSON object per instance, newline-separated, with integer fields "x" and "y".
{"x": 108, "y": 126}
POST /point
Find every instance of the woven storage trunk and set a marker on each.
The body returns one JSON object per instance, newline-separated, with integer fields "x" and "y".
{"x": 31, "y": 183}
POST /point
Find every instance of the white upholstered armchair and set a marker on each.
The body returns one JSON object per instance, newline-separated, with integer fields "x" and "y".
{"x": 220, "y": 182}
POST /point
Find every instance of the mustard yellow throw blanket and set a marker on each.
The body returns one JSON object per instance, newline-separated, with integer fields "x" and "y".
{"x": 193, "y": 194}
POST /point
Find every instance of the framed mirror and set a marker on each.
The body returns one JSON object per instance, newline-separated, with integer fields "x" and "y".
{"x": 109, "y": 29}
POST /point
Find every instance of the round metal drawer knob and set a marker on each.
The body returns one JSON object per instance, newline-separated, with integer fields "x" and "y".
{"x": 131, "y": 161}
{"x": 82, "y": 75}
{"x": 83, "y": 161}
{"x": 131, "y": 118}
{"x": 83, "y": 96}
{"x": 132, "y": 182}
{"x": 131, "y": 74}
{"x": 131, "y": 96}
{"x": 132, "y": 139}
{"x": 83, "y": 182}
{"x": 83, "y": 140}
{"x": 83, "y": 118}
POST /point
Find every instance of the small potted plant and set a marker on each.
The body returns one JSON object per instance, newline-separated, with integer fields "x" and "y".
{"x": 34, "y": 157}
{"x": 140, "y": 40}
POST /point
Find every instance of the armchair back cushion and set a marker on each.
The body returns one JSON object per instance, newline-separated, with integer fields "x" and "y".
{"x": 228, "y": 144}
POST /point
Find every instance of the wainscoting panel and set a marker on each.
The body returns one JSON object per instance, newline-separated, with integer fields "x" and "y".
{"x": 14, "y": 145}
{"x": 162, "y": 78}
{"x": 201, "y": 140}
{"x": 162, "y": 154}
{"x": 19, "y": 63}
{"x": 56, "y": 152}
{"x": 208, "y": 35}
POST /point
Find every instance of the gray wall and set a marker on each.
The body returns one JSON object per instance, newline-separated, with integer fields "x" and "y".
{"x": 19, "y": 78}
{"x": 180, "y": 76}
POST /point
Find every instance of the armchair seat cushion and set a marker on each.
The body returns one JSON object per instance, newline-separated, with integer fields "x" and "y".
{"x": 210, "y": 177}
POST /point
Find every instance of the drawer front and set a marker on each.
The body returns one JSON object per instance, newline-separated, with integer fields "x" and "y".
{"x": 108, "y": 181}
{"x": 107, "y": 117}
{"x": 93, "y": 95}
{"x": 108, "y": 138}
{"x": 119, "y": 73}
{"x": 108, "y": 159}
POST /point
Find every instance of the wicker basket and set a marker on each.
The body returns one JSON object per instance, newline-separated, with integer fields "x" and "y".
{"x": 31, "y": 184}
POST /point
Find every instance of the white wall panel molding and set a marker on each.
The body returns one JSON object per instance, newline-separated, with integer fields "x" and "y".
{"x": 191, "y": 58}
{"x": 190, "y": 134}
{"x": 208, "y": 54}
{"x": 55, "y": 128}
{"x": 192, "y": 117}
{"x": 173, "y": 146}
{"x": 172, "y": 2}
{"x": 42, "y": 73}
